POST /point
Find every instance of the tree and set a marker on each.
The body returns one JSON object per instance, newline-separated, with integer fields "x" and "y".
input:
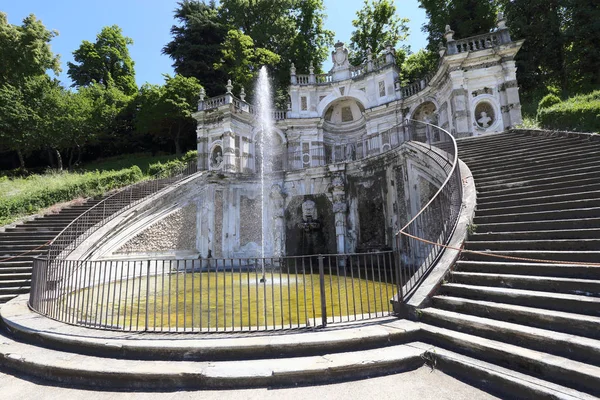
{"x": 107, "y": 61}
{"x": 582, "y": 37}
{"x": 196, "y": 44}
{"x": 21, "y": 114}
{"x": 465, "y": 17}
{"x": 241, "y": 60}
{"x": 25, "y": 50}
{"x": 166, "y": 111}
{"x": 376, "y": 25}
{"x": 541, "y": 60}
{"x": 418, "y": 65}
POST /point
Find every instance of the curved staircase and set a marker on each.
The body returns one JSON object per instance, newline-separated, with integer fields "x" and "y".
{"x": 21, "y": 243}
{"x": 538, "y": 198}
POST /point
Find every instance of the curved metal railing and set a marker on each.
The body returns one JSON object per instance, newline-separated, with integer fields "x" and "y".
{"x": 92, "y": 219}
{"x": 434, "y": 224}
{"x": 246, "y": 294}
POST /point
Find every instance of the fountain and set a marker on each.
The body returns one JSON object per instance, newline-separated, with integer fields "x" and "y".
{"x": 264, "y": 119}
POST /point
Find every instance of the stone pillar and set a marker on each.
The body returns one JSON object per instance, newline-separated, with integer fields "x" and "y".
{"x": 450, "y": 42}
{"x": 229, "y": 151}
{"x": 460, "y": 104}
{"x": 339, "y": 209}
{"x": 311, "y": 74}
{"x": 202, "y": 148}
{"x": 512, "y": 108}
{"x": 278, "y": 210}
{"x": 294, "y": 79}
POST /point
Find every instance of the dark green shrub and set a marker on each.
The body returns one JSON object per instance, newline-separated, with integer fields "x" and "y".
{"x": 548, "y": 101}
{"x": 580, "y": 113}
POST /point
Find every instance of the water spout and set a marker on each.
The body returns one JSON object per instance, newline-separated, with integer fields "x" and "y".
{"x": 264, "y": 120}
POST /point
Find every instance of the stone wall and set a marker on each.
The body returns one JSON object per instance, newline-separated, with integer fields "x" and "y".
{"x": 176, "y": 231}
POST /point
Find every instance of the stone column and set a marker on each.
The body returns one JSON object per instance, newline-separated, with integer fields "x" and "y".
{"x": 229, "y": 151}
{"x": 460, "y": 104}
{"x": 278, "y": 203}
{"x": 512, "y": 108}
{"x": 339, "y": 209}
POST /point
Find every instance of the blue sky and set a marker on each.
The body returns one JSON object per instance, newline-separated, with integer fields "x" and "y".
{"x": 148, "y": 23}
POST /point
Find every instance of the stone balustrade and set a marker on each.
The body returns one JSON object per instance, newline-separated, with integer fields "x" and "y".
{"x": 480, "y": 42}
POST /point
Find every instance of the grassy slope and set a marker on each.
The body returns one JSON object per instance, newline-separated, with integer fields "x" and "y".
{"x": 20, "y": 197}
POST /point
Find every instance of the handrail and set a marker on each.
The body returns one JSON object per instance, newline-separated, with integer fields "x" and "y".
{"x": 87, "y": 223}
{"x": 435, "y": 222}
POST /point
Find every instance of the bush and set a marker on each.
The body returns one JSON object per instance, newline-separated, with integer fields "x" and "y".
{"x": 580, "y": 113}
{"x": 28, "y": 195}
{"x": 548, "y": 101}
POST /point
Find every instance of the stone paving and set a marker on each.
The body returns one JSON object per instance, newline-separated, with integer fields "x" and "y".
{"x": 422, "y": 384}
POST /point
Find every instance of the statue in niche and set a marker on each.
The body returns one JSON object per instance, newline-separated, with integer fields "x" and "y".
{"x": 309, "y": 217}
{"x": 217, "y": 157}
{"x": 309, "y": 211}
{"x": 484, "y": 121}
{"x": 350, "y": 152}
{"x": 486, "y": 114}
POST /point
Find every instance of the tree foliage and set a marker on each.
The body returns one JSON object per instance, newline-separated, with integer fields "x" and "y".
{"x": 166, "y": 111}
{"x": 241, "y": 59}
{"x": 25, "y": 50}
{"x": 106, "y": 61}
{"x": 196, "y": 44}
{"x": 281, "y": 31}
{"x": 465, "y": 17}
{"x": 376, "y": 26}
{"x": 418, "y": 65}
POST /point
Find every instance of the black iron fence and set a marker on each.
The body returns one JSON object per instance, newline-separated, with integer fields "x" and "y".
{"x": 203, "y": 295}
{"x": 200, "y": 295}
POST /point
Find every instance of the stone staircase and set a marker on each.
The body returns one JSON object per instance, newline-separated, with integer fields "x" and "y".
{"x": 538, "y": 197}
{"x": 20, "y": 244}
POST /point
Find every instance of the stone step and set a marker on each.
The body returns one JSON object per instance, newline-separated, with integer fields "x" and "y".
{"x": 36, "y": 229}
{"x": 508, "y": 383}
{"x": 543, "y": 158}
{"x": 558, "y": 256}
{"x": 573, "y": 347}
{"x": 539, "y": 216}
{"x": 14, "y": 290}
{"x": 559, "y": 224}
{"x": 504, "y": 168}
{"x": 18, "y": 248}
{"x": 561, "y": 205}
{"x": 21, "y": 256}
{"x": 535, "y": 169}
{"x": 15, "y": 283}
{"x": 16, "y": 270}
{"x": 5, "y": 298}
{"x": 560, "y": 370}
{"x": 514, "y": 152}
{"x": 32, "y": 243}
{"x": 531, "y": 196}
{"x": 593, "y": 233}
{"x": 527, "y": 155}
{"x": 528, "y": 298}
{"x": 13, "y": 276}
{"x": 550, "y": 244}
{"x": 523, "y": 268}
{"x": 576, "y": 324}
{"x": 541, "y": 188}
{"x": 17, "y": 236}
{"x": 514, "y": 147}
{"x": 100, "y": 372}
{"x": 584, "y": 287}
{"x": 533, "y": 181}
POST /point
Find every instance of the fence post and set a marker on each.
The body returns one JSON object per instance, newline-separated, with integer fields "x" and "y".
{"x": 323, "y": 297}
{"x": 147, "y": 291}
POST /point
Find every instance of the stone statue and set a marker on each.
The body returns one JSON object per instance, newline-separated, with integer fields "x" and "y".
{"x": 340, "y": 57}
{"x": 217, "y": 159}
{"x": 309, "y": 211}
{"x": 484, "y": 121}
